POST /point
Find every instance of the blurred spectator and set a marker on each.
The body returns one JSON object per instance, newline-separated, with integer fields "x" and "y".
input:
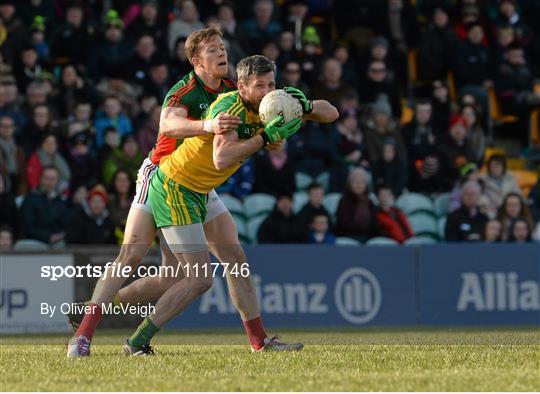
{"x": 331, "y": 86}
{"x": 139, "y": 63}
{"x": 7, "y": 239}
{"x": 9, "y": 105}
{"x": 454, "y": 150}
{"x": 120, "y": 198}
{"x": 505, "y": 36}
{"x": 467, "y": 223}
{"x": 389, "y": 170}
{"x": 312, "y": 208}
{"x": 534, "y": 201}
{"x": 83, "y": 165}
{"x": 148, "y": 23}
{"x": 16, "y": 32}
{"x": 270, "y": 49}
{"x": 471, "y": 64}
{"x": 29, "y": 67}
{"x": 186, "y": 24}
{"x": 512, "y": 207}
{"x": 399, "y": 24}
{"x": 286, "y": 44}
{"x": 43, "y": 212}
{"x": 111, "y": 116}
{"x": 493, "y": 231}
{"x": 35, "y": 129}
{"x": 261, "y": 28}
{"x": 376, "y": 84}
{"x": 356, "y": 214}
{"x": 47, "y": 155}
{"x": 77, "y": 200}
{"x": 441, "y": 106}
{"x": 113, "y": 50}
{"x": 73, "y": 41}
{"x": 12, "y": 157}
{"x": 233, "y": 38}
{"x": 115, "y": 84}
{"x": 80, "y": 120}
{"x": 291, "y": 75}
{"x": 240, "y": 184}
{"x": 508, "y": 15}
{"x": 420, "y": 135}
{"x": 148, "y": 132}
{"x": 520, "y": 230}
{"x": 9, "y": 215}
{"x": 311, "y": 56}
{"x": 436, "y": 47}
{"x": 179, "y": 64}
{"x": 470, "y": 172}
{"x": 39, "y": 38}
{"x": 31, "y": 9}
{"x": 379, "y": 128}
{"x": 320, "y": 233}
{"x": 36, "y": 93}
{"x": 111, "y": 142}
{"x": 274, "y": 172}
{"x": 314, "y": 149}
{"x": 281, "y": 226}
{"x": 95, "y": 225}
{"x": 498, "y": 181}
{"x": 157, "y": 81}
{"x": 392, "y": 221}
{"x": 128, "y": 157}
{"x": 348, "y": 65}
{"x": 475, "y": 133}
{"x": 514, "y": 84}
{"x": 73, "y": 88}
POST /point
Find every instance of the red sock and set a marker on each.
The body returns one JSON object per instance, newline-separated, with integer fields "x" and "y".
{"x": 90, "y": 321}
{"x": 255, "y": 332}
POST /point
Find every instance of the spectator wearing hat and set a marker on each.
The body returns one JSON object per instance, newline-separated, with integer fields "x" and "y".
{"x": 393, "y": 223}
{"x": 93, "y": 226}
{"x": 261, "y": 28}
{"x": 187, "y": 22}
{"x": 375, "y": 84}
{"x": 379, "y": 127}
{"x": 39, "y": 38}
{"x": 472, "y": 68}
{"x": 47, "y": 155}
{"x": 454, "y": 150}
{"x": 149, "y": 22}
{"x": 43, "y": 212}
{"x": 127, "y": 157}
{"x": 73, "y": 42}
{"x": 331, "y": 86}
{"x": 82, "y": 162}
{"x": 389, "y": 170}
{"x": 12, "y": 157}
{"x": 111, "y": 115}
{"x": 281, "y": 226}
{"x": 436, "y": 47}
{"x": 498, "y": 181}
{"x": 113, "y": 50}
{"x": 467, "y": 223}
{"x": 356, "y": 215}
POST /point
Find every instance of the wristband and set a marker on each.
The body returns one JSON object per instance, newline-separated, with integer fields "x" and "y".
{"x": 266, "y": 140}
{"x": 207, "y": 125}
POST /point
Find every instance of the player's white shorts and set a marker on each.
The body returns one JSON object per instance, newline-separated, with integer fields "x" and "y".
{"x": 214, "y": 205}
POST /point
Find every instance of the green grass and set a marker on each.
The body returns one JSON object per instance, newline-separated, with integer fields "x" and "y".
{"x": 362, "y": 360}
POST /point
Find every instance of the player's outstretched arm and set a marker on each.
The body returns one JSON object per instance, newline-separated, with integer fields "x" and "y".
{"x": 173, "y": 123}
{"x": 323, "y": 112}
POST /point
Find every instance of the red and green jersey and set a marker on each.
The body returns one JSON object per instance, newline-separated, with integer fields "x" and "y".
{"x": 195, "y": 97}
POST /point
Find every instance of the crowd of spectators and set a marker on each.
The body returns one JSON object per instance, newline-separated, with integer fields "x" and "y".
{"x": 82, "y": 84}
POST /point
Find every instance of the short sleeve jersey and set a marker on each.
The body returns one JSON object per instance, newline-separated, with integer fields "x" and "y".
{"x": 195, "y": 97}
{"x": 192, "y": 165}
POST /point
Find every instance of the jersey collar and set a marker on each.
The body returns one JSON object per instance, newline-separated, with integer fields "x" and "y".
{"x": 200, "y": 81}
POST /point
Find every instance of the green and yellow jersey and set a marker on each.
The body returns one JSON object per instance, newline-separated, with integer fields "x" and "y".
{"x": 191, "y": 164}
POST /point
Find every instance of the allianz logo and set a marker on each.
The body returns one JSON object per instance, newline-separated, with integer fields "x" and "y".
{"x": 357, "y": 297}
{"x": 497, "y": 291}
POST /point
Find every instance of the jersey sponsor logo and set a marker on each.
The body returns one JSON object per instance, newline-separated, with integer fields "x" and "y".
{"x": 203, "y": 106}
{"x": 357, "y": 295}
{"x": 497, "y": 291}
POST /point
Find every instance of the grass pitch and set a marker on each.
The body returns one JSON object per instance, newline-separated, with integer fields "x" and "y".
{"x": 366, "y": 360}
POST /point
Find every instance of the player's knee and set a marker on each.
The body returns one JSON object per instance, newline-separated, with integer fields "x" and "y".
{"x": 166, "y": 282}
{"x": 130, "y": 255}
{"x": 201, "y": 285}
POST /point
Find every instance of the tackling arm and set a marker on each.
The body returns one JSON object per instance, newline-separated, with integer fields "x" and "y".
{"x": 323, "y": 112}
{"x": 174, "y": 123}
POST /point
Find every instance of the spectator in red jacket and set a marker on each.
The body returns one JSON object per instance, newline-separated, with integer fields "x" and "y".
{"x": 392, "y": 221}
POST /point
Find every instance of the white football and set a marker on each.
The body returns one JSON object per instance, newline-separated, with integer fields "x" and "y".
{"x": 279, "y": 102}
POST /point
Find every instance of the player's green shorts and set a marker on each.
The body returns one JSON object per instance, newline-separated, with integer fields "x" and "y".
{"x": 173, "y": 204}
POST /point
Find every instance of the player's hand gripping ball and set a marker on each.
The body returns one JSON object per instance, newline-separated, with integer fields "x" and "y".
{"x": 280, "y": 103}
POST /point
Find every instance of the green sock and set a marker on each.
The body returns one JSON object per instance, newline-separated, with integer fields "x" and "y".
{"x": 144, "y": 333}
